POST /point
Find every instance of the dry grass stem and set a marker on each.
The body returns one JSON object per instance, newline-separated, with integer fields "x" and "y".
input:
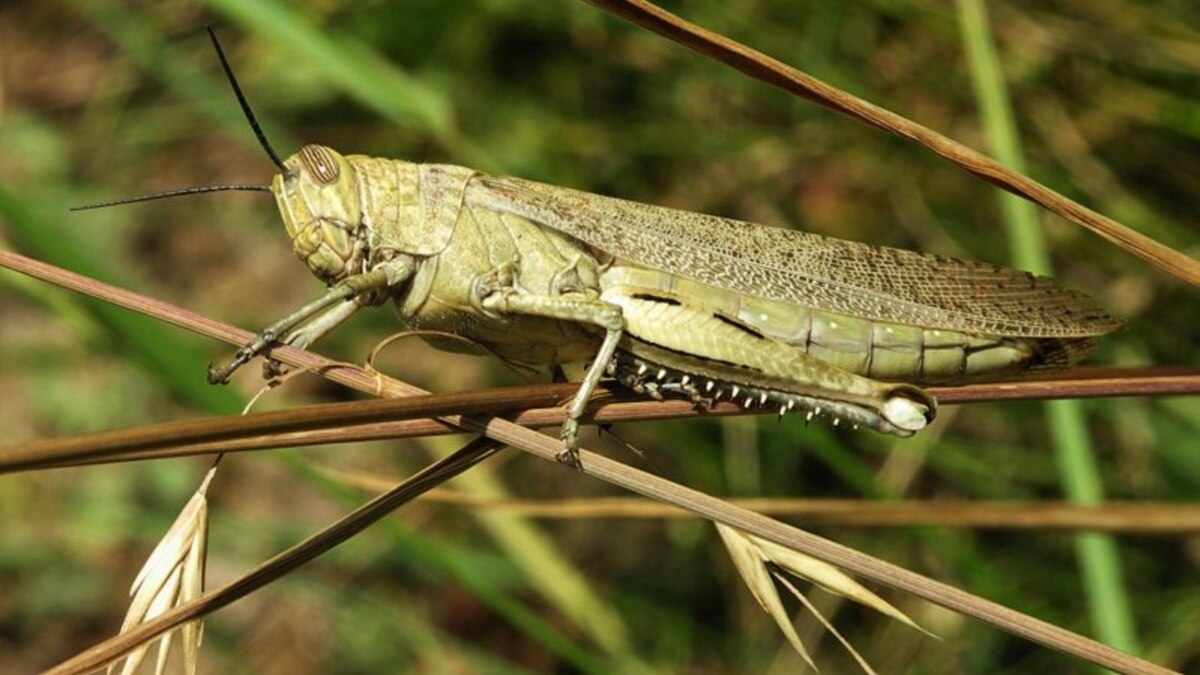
{"x": 281, "y": 564}
{"x": 766, "y": 69}
{"x": 1137, "y": 518}
{"x": 210, "y": 431}
{"x": 417, "y": 416}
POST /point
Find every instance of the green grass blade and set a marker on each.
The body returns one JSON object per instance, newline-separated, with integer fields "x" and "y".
{"x": 358, "y": 71}
{"x": 547, "y": 569}
{"x": 143, "y": 43}
{"x": 1098, "y": 557}
{"x": 173, "y": 361}
{"x": 441, "y": 559}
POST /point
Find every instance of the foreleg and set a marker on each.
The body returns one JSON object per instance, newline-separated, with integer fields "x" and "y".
{"x": 383, "y": 276}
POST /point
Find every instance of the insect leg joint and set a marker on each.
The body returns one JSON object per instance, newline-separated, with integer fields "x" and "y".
{"x": 383, "y": 276}
{"x": 605, "y": 315}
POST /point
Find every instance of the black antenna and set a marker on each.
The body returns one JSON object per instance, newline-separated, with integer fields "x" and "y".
{"x": 175, "y": 193}
{"x": 237, "y": 91}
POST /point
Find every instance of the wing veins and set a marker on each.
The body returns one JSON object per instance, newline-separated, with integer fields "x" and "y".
{"x": 977, "y": 297}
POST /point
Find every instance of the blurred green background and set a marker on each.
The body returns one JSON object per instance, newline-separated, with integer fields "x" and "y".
{"x": 102, "y": 99}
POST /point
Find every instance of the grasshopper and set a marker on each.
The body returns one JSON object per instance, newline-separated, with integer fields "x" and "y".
{"x": 667, "y": 302}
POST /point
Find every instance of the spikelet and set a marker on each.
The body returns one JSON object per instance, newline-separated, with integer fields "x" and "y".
{"x": 760, "y": 561}
{"x": 172, "y": 576}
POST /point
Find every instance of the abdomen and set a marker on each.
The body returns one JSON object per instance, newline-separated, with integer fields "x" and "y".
{"x": 874, "y": 349}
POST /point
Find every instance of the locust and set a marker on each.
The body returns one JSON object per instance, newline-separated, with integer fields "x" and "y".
{"x": 667, "y": 302}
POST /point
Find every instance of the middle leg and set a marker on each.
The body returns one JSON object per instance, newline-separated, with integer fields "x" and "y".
{"x": 580, "y": 309}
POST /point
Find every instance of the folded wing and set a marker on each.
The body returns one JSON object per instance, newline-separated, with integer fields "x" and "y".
{"x": 873, "y": 282}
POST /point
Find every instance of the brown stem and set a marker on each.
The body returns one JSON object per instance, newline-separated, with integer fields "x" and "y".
{"x": 401, "y": 418}
{"x": 1134, "y": 518}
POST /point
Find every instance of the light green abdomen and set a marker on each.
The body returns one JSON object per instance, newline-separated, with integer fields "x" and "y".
{"x": 879, "y": 350}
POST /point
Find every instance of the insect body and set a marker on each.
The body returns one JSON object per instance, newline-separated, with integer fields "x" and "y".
{"x": 668, "y": 302}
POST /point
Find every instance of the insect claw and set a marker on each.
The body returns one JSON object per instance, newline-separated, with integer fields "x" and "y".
{"x": 272, "y": 369}
{"x": 215, "y": 377}
{"x": 569, "y": 457}
{"x": 221, "y": 375}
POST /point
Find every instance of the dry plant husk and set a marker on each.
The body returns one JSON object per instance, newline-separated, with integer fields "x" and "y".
{"x": 760, "y": 562}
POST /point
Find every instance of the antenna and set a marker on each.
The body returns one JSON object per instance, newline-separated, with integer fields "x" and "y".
{"x": 258, "y": 132}
{"x": 175, "y": 193}
{"x": 237, "y": 91}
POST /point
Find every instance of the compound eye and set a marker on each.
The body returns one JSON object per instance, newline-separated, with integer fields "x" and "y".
{"x": 320, "y": 163}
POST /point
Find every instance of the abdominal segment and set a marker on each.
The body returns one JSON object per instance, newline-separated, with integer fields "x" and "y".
{"x": 873, "y": 349}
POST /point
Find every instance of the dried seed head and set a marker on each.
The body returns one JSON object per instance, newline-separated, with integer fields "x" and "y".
{"x": 173, "y": 575}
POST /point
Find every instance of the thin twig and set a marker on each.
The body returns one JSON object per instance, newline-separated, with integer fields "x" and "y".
{"x": 766, "y": 69}
{"x": 402, "y": 418}
{"x": 212, "y": 431}
{"x": 1135, "y": 518}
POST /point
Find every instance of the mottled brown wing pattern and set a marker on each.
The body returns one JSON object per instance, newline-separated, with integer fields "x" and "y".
{"x": 873, "y": 282}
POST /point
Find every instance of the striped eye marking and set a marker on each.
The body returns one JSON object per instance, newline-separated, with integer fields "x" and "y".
{"x": 320, "y": 162}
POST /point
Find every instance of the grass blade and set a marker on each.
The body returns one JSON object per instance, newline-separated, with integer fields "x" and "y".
{"x": 1098, "y": 556}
